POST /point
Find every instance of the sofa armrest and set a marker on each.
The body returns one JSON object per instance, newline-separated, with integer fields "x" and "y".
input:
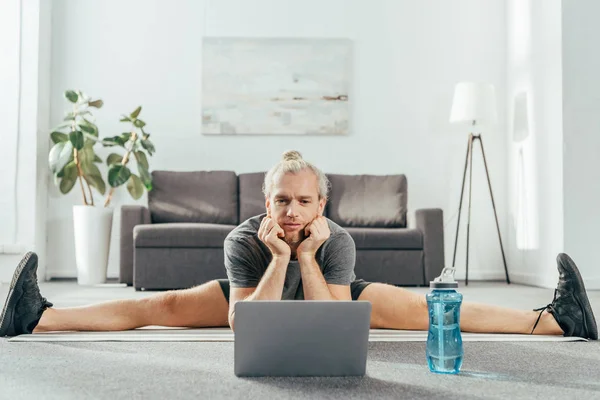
{"x": 131, "y": 216}
{"x": 430, "y": 221}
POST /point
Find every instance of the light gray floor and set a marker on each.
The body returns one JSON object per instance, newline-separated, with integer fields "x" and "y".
{"x": 503, "y": 370}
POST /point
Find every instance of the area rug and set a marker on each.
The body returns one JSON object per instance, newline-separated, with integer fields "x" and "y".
{"x": 205, "y": 370}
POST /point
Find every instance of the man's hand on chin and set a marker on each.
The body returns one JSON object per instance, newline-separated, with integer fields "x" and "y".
{"x": 316, "y": 233}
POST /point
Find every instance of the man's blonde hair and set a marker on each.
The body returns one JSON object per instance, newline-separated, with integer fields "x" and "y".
{"x": 292, "y": 162}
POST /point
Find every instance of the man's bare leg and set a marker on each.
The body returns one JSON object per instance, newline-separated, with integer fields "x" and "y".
{"x": 570, "y": 312}
{"x": 397, "y": 308}
{"x": 201, "y": 306}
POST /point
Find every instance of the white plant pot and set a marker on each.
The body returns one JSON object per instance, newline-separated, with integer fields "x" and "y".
{"x": 93, "y": 227}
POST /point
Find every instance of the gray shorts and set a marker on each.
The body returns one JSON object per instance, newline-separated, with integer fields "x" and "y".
{"x": 356, "y": 288}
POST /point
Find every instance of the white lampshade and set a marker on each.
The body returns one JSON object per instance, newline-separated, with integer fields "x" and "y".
{"x": 474, "y": 102}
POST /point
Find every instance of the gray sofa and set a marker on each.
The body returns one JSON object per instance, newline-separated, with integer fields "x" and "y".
{"x": 177, "y": 240}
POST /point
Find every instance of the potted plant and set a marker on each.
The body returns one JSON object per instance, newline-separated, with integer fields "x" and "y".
{"x": 73, "y": 162}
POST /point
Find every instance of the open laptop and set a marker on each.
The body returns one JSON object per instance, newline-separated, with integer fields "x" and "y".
{"x": 301, "y": 338}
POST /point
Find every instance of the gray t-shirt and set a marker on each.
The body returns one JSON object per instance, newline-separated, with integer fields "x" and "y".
{"x": 247, "y": 259}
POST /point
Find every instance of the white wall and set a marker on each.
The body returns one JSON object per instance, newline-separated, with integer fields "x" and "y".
{"x": 407, "y": 57}
{"x": 581, "y": 135}
{"x": 24, "y": 137}
{"x": 535, "y": 162}
{"x": 551, "y": 56}
{"x": 10, "y": 48}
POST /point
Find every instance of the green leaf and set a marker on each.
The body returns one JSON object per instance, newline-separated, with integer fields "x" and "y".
{"x": 96, "y": 103}
{"x": 135, "y": 113}
{"x": 97, "y": 182}
{"x": 109, "y": 142}
{"x": 148, "y": 146}
{"x": 90, "y": 169}
{"x": 76, "y": 138}
{"x": 140, "y": 156}
{"x": 87, "y": 156}
{"x": 118, "y": 175}
{"x": 125, "y": 118}
{"x": 114, "y": 141}
{"x": 135, "y": 187}
{"x": 139, "y": 123}
{"x": 66, "y": 185}
{"x": 71, "y": 96}
{"x": 70, "y": 171}
{"x": 125, "y": 136}
{"x": 58, "y": 137}
{"x": 59, "y": 156}
{"x": 61, "y": 173}
{"x": 69, "y": 117}
{"x": 94, "y": 177}
{"x": 90, "y": 141}
{"x": 114, "y": 158}
{"x": 145, "y": 176}
{"x": 88, "y": 127}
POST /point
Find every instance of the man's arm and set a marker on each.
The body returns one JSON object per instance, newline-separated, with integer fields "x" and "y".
{"x": 333, "y": 283}
{"x": 270, "y": 287}
{"x": 313, "y": 281}
{"x": 314, "y": 284}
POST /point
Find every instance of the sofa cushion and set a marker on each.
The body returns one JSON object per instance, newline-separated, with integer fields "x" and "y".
{"x": 252, "y": 199}
{"x": 196, "y": 196}
{"x": 368, "y": 200}
{"x": 181, "y": 235}
{"x": 387, "y": 238}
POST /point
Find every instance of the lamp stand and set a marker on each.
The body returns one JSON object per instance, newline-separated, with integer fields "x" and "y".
{"x": 469, "y": 164}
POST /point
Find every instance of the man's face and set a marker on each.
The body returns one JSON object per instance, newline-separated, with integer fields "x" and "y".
{"x": 294, "y": 203}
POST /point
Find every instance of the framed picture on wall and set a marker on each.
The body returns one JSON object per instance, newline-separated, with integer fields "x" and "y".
{"x": 272, "y": 86}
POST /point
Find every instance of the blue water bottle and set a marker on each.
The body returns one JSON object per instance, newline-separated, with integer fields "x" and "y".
{"x": 444, "y": 342}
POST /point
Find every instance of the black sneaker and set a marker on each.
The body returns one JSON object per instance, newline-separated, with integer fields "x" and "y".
{"x": 570, "y": 306}
{"x": 24, "y": 305}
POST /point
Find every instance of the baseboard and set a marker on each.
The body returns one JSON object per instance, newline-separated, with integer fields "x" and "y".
{"x": 67, "y": 274}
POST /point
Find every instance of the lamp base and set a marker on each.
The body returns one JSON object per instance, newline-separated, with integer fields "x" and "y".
{"x": 469, "y": 165}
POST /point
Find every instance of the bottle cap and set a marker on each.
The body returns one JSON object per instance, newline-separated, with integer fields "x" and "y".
{"x": 443, "y": 285}
{"x": 445, "y": 280}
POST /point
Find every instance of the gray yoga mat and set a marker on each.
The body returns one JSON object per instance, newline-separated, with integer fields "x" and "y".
{"x": 161, "y": 334}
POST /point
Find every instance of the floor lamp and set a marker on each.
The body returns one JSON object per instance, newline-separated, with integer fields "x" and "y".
{"x": 474, "y": 103}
